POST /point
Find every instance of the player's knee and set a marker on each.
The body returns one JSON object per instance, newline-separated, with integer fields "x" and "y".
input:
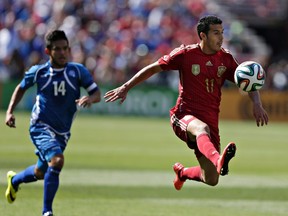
{"x": 203, "y": 128}
{"x": 198, "y": 127}
{"x": 57, "y": 161}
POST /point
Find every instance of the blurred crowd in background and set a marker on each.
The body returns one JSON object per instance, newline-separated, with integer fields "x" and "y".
{"x": 116, "y": 38}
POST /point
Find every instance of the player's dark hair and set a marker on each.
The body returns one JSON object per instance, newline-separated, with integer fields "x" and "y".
{"x": 205, "y": 22}
{"x": 53, "y": 36}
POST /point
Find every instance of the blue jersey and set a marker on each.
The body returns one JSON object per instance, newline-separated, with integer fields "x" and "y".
{"x": 57, "y": 90}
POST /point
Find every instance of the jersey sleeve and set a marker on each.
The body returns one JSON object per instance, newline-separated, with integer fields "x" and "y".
{"x": 86, "y": 80}
{"x": 29, "y": 78}
{"x": 173, "y": 60}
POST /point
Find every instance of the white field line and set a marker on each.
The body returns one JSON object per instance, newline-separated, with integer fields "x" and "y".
{"x": 263, "y": 206}
{"x": 158, "y": 178}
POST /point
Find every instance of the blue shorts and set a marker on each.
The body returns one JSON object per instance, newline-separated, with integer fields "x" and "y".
{"x": 48, "y": 143}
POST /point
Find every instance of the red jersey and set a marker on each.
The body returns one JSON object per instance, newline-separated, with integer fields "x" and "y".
{"x": 201, "y": 79}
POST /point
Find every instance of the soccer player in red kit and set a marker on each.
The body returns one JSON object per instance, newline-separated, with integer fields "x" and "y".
{"x": 203, "y": 69}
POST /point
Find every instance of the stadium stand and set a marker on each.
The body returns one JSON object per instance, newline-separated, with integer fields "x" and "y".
{"x": 111, "y": 37}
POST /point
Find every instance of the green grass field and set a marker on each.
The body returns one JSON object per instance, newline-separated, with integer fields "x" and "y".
{"x": 122, "y": 166}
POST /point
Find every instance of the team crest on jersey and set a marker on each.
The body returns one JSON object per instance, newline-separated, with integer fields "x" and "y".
{"x": 221, "y": 70}
{"x": 72, "y": 73}
{"x": 195, "y": 69}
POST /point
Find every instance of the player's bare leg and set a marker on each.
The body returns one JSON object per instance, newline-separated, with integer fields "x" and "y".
{"x": 209, "y": 172}
{"x": 212, "y": 164}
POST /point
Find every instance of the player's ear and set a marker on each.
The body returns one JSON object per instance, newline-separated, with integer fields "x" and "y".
{"x": 47, "y": 51}
{"x": 202, "y": 35}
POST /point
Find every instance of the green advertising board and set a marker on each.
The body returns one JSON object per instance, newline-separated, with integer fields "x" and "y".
{"x": 142, "y": 100}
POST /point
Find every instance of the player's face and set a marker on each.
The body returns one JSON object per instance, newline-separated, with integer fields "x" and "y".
{"x": 214, "y": 39}
{"x": 59, "y": 53}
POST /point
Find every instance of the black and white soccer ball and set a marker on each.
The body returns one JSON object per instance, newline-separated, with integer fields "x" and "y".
{"x": 249, "y": 76}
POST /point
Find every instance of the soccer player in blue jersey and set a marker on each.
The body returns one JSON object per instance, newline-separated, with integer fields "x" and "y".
{"x": 58, "y": 95}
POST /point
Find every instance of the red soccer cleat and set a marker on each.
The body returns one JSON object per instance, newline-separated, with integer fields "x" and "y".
{"x": 227, "y": 155}
{"x": 178, "y": 182}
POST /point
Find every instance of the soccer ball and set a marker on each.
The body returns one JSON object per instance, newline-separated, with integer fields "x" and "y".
{"x": 249, "y": 76}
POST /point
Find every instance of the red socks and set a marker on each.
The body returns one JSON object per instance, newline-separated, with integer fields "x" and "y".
{"x": 207, "y": 148}
{"x": 192, "y": 173}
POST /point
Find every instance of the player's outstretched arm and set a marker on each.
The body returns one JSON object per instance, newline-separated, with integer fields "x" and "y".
{"x": 142, "y": 75}
{"x": 15, "y": 99}
{"x": 259, "y": 112}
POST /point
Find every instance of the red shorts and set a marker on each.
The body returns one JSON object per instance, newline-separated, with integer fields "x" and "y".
{"x": 179, "y": 123}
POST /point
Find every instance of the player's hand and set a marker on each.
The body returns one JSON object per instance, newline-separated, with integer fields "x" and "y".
{"x": 84, "y": 102}
{"x": 260, "y": 115}
{"x": 116, "y": 94}
{"x": 10, "y": 120}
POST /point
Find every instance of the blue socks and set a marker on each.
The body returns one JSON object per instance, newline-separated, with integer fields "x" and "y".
{"x": 25, "y": 176}
{"x": 51, "y": 183}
